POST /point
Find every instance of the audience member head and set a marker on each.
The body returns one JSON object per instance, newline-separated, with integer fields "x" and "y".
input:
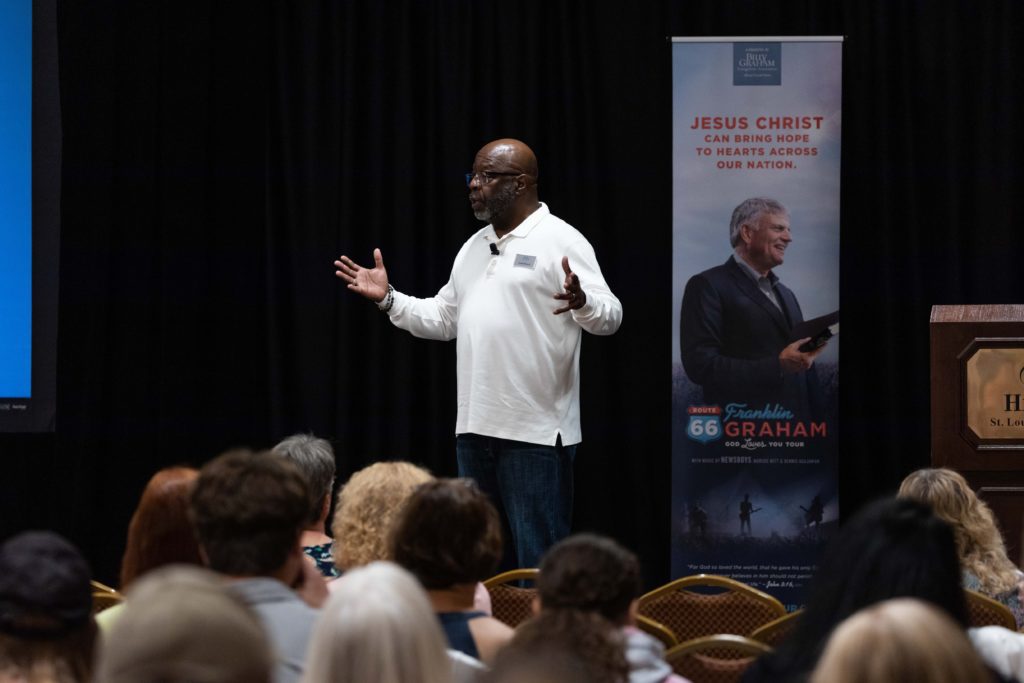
{"x": 248, "y": 510}
{"x": 900, "y": 640}
{"x": 892, "y": 548}
{"x": 978, "y": 542}
{"x": 592, "y": 573}
{"x": 367, "y": 504}
{"x": 180, "y": 625}
{"x": 378, "y": 626}
{"x": 447, "y": 534}
{"x": 315, "y": 458}
{"x": 160, "y": 531}
{"x": 47, "y": 632}
{"x": 563, "y": 645}
{"x": 549, "y": 667}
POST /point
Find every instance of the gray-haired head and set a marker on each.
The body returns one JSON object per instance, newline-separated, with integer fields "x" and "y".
{"x": 749, "y": 211}
{"x": 378, "y": 626}
{"x": 315, "y": 458}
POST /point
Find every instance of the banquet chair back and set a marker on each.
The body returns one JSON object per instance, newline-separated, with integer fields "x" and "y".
{"x": 775, "y": 631}
{"x": 706, "y": 604}
{"x": 720, "y": 658}
{"x": 984, "y": 611}
{"x": 511, "y": 600}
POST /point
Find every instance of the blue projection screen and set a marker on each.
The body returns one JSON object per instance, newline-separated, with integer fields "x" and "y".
{"x": 16, "y": 199}
{"x": 29, "y": 214}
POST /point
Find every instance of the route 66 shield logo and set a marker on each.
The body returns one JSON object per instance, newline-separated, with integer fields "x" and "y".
{"x": 704, "y": 428}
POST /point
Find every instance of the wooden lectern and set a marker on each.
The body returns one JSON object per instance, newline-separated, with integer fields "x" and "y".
{"x": 977, "y": 377}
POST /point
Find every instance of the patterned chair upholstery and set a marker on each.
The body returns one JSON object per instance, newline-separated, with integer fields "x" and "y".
{"x": 719, "y": 605}
{"x": 720, "y": 658}
{"x": 984, "y": 611}
{"x": 512, "y": 604}
{"x": 774, "y": 632}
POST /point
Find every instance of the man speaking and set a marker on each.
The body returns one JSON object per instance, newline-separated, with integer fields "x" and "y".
{"x": 520, "y": 292}
{"x": 735, "y": 329}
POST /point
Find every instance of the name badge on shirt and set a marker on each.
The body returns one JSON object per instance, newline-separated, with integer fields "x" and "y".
{"x": 524, "y": 261}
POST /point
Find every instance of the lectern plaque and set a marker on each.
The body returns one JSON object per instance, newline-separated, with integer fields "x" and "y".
{"x": 994, "y": 390}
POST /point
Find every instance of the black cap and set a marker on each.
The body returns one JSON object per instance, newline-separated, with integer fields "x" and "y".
{"x": 44, "y": 586}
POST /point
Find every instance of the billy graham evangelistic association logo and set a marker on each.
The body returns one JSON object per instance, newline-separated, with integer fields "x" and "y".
{"x": 705, "y": 423}
{"x": 757, "y": 63}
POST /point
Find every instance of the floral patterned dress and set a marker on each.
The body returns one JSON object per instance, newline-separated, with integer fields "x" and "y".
{"x": 321, "y": 554}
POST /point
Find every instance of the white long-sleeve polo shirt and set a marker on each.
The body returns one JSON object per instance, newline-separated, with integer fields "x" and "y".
{"x": 518, "y": 363}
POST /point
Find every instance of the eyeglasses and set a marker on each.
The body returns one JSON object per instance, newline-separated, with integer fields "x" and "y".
{"x": 487, "y": 177}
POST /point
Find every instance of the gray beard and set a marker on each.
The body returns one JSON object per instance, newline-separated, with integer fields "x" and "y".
{"x": 498, "y": 204}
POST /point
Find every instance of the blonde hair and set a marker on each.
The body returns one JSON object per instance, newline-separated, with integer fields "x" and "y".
{"x": 367, "y": 504}
{"x": 899, "y": 640}
{"x": 978, "y": 542}
{"x": 378, "y": 626}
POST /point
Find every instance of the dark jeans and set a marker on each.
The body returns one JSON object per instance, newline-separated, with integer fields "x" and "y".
{"x": 530, "y": 484}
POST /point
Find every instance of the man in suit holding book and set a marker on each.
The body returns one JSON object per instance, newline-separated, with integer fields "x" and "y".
{"x": 737, "y": 321}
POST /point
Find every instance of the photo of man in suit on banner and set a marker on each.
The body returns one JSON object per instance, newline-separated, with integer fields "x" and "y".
{"x": 737, "y": 321}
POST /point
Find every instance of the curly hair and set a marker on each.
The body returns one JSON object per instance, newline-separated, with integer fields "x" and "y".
{"x": 585, "y": 639}
{"x": 447, "y": 534}
{"x": 591, "y": 573}
{"x": 978, "y": 541}
{"x": 367, "y": 504}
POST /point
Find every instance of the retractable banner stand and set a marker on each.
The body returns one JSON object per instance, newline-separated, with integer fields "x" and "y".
{"x": 755, "y": 373}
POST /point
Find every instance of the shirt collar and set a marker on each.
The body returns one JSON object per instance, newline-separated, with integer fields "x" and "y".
{"x": 263, "y": 589}
{"x": 524, "y": 228}
{"x": 753, "y": 274}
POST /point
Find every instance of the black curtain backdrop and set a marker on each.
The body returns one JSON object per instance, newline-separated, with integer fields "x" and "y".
{"x": 219, "y": 156}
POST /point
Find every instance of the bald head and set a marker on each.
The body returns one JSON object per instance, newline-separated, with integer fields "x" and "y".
{"x": 515, "y": 154}
{"x": 503, "y": 184}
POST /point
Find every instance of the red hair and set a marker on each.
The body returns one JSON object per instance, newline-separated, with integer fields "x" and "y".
{"x": 160, "y": 531}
